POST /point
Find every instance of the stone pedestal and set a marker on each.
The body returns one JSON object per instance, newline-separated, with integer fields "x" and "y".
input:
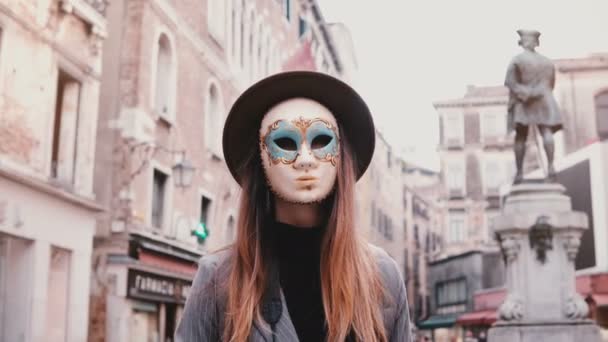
{"x": 539, "y": 235}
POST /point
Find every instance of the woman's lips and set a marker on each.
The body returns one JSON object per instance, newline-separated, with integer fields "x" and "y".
{"x": 306, "y": 179}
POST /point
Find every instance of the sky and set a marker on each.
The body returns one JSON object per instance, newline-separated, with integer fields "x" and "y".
{"x": 412, "y": 53}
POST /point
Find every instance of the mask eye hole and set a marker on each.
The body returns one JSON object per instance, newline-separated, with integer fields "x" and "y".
{"x": 320, "y": 141}
{"x": 287, "y": 144}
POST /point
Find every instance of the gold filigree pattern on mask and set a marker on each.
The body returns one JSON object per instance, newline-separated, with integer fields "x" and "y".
{"x": 302, "y": 124}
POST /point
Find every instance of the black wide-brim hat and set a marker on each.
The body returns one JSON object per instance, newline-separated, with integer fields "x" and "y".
{"x": 241, "y": 130}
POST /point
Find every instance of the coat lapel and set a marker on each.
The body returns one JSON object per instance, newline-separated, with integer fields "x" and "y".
{"x": 284, "y": 329}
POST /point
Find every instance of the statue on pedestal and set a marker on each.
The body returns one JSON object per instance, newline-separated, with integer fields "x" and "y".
{"x": 530, "y": 79}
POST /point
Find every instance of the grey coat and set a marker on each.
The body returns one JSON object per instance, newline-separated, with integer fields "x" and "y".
{"x": 202, "y": 320}
{"x": 530, "y": 79}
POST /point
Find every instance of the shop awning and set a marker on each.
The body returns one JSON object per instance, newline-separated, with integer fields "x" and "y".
{"x": 484, "y": 317}
{"x": 600, "y": 299}
{"x": 438, "y": 321}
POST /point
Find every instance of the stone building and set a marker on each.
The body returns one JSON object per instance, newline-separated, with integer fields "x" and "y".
{"x": 581, "y": 89}
{"x": 476, "y": 159}
{"x": 421, "y": 223}
{"x": 171, "y": 72}
{"x": 50, "y": 72}
{"x": 380, "y": 201}
{"x": 453, "y": 281}
{"x": 396, "y": 203}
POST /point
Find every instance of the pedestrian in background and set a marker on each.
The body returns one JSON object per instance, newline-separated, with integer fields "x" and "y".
{"x": 299, "y": 270}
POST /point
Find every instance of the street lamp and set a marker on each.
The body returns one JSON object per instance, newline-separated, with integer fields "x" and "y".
{"x": 183, "y": 172}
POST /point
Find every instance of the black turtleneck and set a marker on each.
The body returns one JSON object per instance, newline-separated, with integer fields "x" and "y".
{"x": 298, "y": 250}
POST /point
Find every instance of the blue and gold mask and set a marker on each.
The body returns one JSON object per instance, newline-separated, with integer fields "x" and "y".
{"x": 284, "y": 139}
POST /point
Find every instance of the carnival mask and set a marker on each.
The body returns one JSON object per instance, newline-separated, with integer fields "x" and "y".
{"x": 300, "y": 148}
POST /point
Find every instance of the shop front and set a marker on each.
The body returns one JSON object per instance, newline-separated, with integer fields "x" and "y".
{"x": 442, "y": 328}
{"x": 157, "y": 302}
{"x": 476, "y": 323}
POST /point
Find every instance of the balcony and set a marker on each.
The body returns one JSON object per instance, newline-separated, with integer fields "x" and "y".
{"x": 454, "y": 143}
{"x": 456, "y": 193}
{"x": 495, "y": 141}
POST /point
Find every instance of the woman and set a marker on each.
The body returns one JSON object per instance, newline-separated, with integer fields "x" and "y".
{"x": 297, "y": 142}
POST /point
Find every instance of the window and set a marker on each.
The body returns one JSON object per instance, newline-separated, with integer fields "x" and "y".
{"x": 257, "y": 72}
{"x": 16, "y": 257}
{"x": 419, "y": 208}
{"x": 493, "y": 176}
{"x": 493, "y": 126}
{"x": 389, "y": 158}
{"x": 453, "y": 129}
{"x": 404, "y": 229}
{"x": 388, "y": 233}
{"x": 267, "y": 57}
{"x": 251, "y": 47}
{"x": 235, "y": 28}
{"x": 456, "y": 227}
{"x": 287, "y": 9}
{"x": 65, "y": 126}
{"x": 216, "y": 10}
{"x": 57, "y": 295}
{"x": 490, "y": 221}
{"x": 455, "y": 177}
{"x": 452, "y": 292}
{"x": 164, "y": 83}
{"x": 230, "y": 229}
{"x": 205, "y": 216}
{"x": 242, "y": 35}
{"x": 159, "y": 191}
{"x": 385, "y": 225}
{"x": 302, "y": 26}
{"x": 406, "y": 267}
{"x": 214, "y": 122}
{"x": 601, "y": 113}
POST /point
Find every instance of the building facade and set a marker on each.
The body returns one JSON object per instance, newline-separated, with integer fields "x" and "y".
{"x": 476, "y": 159}
{"x": 421, "y": 224}
{"x": 50, "y": 72}
{"x": 581, "y": 89}
{"x": 396, "y": 203}
{"x": 171, "y": 72}
{"x": 380, "y": 202}
{"x": 454, "y": 281}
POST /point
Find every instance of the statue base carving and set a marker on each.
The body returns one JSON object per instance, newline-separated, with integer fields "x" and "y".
{"x": 539, "y": 235}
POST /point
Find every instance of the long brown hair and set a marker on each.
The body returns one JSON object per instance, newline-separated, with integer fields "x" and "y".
{"x": 351, "y": 287}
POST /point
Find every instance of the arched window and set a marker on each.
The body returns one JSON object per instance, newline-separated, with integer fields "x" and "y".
{"x": 164, "y": 77}
{"x": 213, "y": 124}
